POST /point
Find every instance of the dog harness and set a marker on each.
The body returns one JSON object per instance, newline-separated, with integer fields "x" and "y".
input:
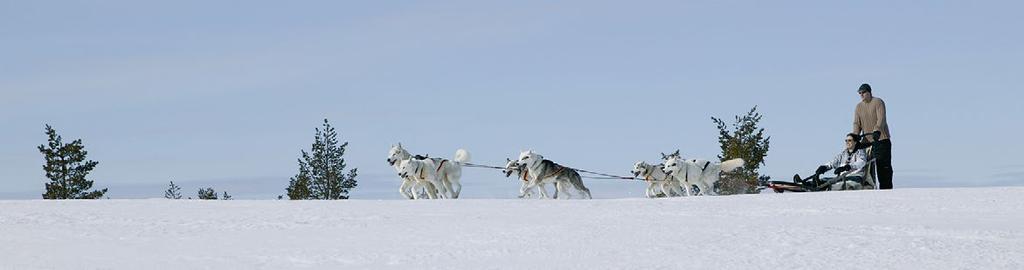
{"x": 686, "y": 177}
{"x": 422, "y": 173}
{"x": 648, "y": 178}
{"x": 705, "y": 166}
{"x": 560, "y": 168}
{"x": 439, "y": 166}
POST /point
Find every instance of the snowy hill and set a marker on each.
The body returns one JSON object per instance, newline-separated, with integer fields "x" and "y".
{"x": 973, "y": 228}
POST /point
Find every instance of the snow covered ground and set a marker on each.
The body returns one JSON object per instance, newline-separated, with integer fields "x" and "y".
{"x": 968, "y": 228}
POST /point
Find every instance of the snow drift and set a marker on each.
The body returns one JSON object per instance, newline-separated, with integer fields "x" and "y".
{"x": 977, "y": 228}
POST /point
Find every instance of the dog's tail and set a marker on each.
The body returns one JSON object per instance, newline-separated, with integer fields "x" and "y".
{"x": 461, "y": 156}
{"x": 732, "y": 164}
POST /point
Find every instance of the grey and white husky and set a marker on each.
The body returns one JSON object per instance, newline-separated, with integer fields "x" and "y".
{"x": 702, "y": 173}
{"x": 514, "y": 167}
{"x": 657, "y": 180}
{"x": 540, "y": 170}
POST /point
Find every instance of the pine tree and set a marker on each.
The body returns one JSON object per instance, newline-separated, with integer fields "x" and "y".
{"x": 298, "y": 187}
{"x": 66, "y": 167}
{"x": 744, "y": 140}
{"x": 226, "y": 196}
{"x": 173, "y": 192}
{"x": 322, "y": 169}
{"x": 207, "y": 194}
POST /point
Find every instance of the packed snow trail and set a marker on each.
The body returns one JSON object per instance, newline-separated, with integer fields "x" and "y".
{"x": 969, "y": 228}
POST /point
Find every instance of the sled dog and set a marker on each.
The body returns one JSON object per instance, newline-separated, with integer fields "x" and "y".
{"x": 540, "y": 170}
{"x": 657, "y": 180}
{"x": 444, "y": 174}
{"x": 514, "y": 167}
{"x": 701, "y": 173}
{"x": 396, "y": 155}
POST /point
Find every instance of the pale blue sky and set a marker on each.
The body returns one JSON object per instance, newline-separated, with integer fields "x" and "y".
{"x": 226, "y": 94}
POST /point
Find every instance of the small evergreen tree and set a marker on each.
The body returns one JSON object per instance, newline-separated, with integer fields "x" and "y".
{"x": 207, "y": 194}
{"x": 226, "y": 196}
{"x": 298, "y": 187}
{"x": 322, "y": 170}
{"x": 173, "y": 192}
{"x": 747, "y": 141}
{"x": 66, "y": 167}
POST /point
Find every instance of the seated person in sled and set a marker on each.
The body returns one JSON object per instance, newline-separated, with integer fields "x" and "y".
{"x": 849, "y": 167}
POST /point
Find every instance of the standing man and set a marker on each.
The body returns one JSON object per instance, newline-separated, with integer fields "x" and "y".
{"x": 869, "y": 117}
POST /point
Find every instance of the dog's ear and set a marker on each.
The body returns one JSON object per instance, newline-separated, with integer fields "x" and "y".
{"x": 676, "y": 153}
{"x": 399, "y": 145}
{"x": 663, "y": 156}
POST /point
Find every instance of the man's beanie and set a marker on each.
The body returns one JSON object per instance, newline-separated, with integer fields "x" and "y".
{"x": 864, "y": 88}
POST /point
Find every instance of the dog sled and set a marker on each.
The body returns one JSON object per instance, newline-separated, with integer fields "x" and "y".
{"x": 816, "y": 182}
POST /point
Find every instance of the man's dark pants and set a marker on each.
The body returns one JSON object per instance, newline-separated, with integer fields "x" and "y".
{"x": 883, "y": 154}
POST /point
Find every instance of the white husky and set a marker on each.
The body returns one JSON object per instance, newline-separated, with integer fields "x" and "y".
{"x": 423, "y": 176}
{"x": 420, "y": 173}
{"x": 414, "y": 188}
{"x": 657, "y": 179}
{"x": 701, "y": 173}
{"x": 396, "y": 155}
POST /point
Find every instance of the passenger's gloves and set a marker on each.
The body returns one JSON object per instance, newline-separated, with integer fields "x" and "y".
{"x": 842, "y": 169}
{"x": 821, "y": 169}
